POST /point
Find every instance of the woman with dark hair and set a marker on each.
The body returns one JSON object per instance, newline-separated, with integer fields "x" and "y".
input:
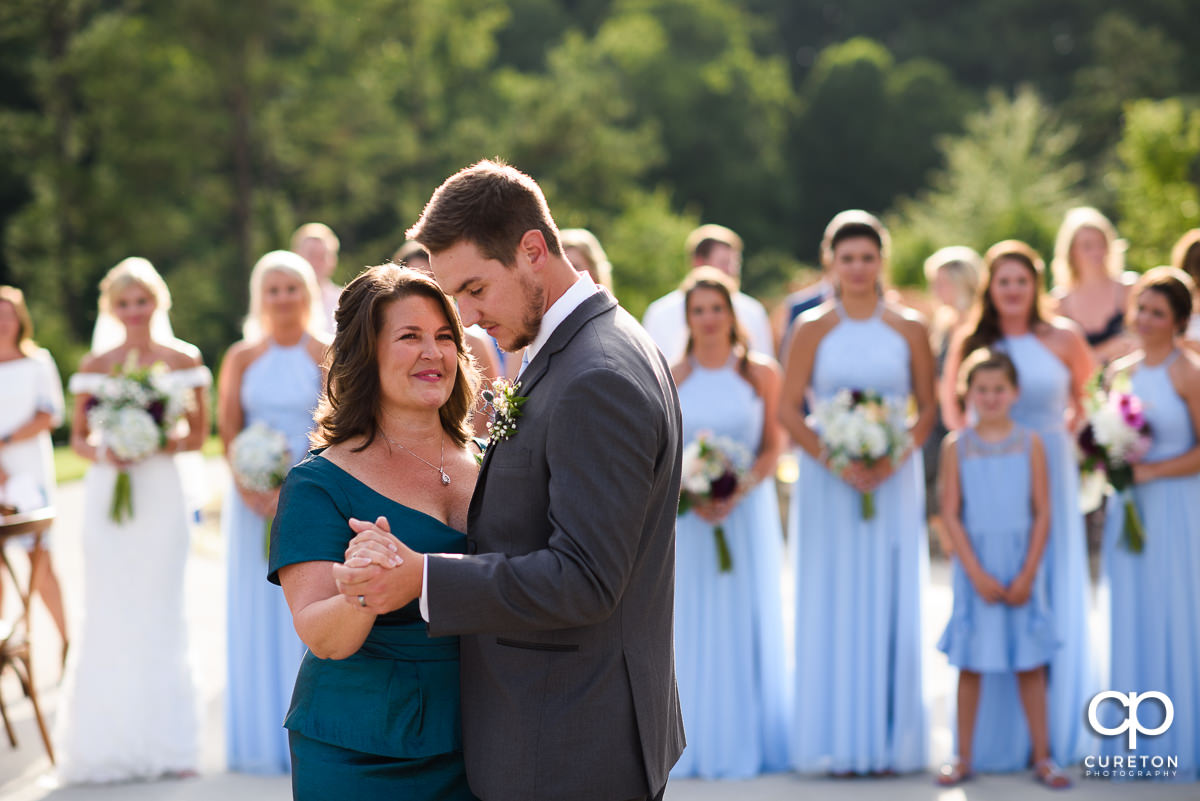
{"x": 859, "y": 705}
{"x": 729, "y": 618}
{"x": 1054, "y": 364}
{"x": 375, "y": 712}
{"x": 1155, "y": 599}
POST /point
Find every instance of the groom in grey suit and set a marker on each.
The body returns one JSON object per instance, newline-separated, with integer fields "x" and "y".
{"x": 565, "y": 600}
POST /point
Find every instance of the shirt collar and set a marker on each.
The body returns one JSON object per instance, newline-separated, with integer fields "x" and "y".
{"x": 561, "y": 309}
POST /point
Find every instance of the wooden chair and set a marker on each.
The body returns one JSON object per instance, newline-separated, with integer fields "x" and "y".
{"x": 15, "y": 635}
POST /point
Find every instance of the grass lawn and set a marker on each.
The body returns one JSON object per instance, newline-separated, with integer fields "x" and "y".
{"x": 70, "y": 466}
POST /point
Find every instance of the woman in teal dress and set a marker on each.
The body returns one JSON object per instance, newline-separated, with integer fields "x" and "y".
{"x": 375, "y": 711}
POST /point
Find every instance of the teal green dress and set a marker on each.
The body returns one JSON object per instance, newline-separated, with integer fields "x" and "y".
{"x": 383, "y": 723}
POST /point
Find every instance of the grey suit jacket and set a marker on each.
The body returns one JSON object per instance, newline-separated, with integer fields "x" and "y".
{"x": 566, "y": 603}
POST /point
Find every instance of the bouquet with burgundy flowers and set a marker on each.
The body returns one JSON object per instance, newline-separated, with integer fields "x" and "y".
{"x": 131, "y": 412}
{"x": 1116, "y": 437}
{"x": 713, "y": 469}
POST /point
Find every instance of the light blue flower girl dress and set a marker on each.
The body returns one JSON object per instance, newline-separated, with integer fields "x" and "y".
{"x": 729, "y": 647}
{"x": 996, "y": 487}
{"x": 279, "y": 388}
{"x": 1003, "y": 744}
{"x": 1155, "y": 595}
{"x": 859, "y": 705}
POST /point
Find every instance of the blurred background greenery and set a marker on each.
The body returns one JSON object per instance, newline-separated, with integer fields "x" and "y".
{"x": 200, "y": 133}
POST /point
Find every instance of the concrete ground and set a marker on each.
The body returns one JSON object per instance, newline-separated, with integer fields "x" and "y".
{"x": 25, "y": 772}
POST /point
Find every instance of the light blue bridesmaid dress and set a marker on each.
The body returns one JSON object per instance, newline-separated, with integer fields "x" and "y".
{"x": 279, "y": 388}
{"x": 1001, "y": 738}
{"x": 997, "y": 513}
{"x": 1155, "y": 595}
{"x": 729, "y": 648}
{"x": 859, "y": 705}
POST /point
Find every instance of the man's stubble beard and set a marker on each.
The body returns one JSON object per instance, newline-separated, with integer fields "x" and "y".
{"x": 535, "y": 302}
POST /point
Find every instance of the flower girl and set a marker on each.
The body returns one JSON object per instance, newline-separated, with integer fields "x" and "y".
{"x": 995, "y": 501}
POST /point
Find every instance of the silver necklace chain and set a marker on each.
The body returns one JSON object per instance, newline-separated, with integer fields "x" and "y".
{"x": 440, "y": 468}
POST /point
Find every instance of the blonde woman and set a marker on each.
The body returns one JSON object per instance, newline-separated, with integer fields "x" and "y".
{"x": 272, "y": 376}
{"x": 128, "y": 708}
{"x": 583, "y": 250}
{"x": 31, "y": 404}
{"x": 1185, "y": 256}
{"x": 1088, "y": 265}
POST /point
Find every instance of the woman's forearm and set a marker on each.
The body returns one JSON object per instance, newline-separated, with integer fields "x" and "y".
{"x": 332, "y": 628}
{"x": 41, "y": 421}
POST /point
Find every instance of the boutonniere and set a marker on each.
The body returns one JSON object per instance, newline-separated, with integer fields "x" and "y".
{"x": 504, "y": 405}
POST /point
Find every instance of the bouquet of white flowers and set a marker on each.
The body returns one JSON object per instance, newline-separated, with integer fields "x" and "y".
{"x": 713, "y": 469}
{"x": 862, "y": 426}
{"x": 260, "y": 459}
{"x": 132, "y": 411}
{"x": 1116, "y": 437}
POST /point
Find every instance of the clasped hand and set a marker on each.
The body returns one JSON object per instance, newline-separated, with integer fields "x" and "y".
{"x": 379, "y": 568}
{"x": 993, "y": 592}
{"x": 866, "y": 477}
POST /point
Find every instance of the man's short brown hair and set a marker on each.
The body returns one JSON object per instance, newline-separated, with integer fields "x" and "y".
{"x": 489, "y": 204}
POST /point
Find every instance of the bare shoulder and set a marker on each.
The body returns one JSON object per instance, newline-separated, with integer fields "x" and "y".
{"x": 1187, "y": 370}
{"x": 180, "y": 355}
{"x": 317, "y": 346}
{"x": 762, "y": 365}
{"x": 764, "y": 373}
{"x": 1127, "y": 362}
{"x": 99, "y": 362}
{"x": 816, "y": 322}
{"x": 680, "y": 371}
{"x": 1064, "y": 329}
{"x": 906, "y": 320}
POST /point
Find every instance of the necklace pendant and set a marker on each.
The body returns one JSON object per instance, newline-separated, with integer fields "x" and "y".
{"x": 445, "y": 479}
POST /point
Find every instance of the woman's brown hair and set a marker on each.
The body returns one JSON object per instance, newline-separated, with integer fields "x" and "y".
{"x": 350, "y": 406}
{"x": 25, "y": 343}
{"x": 985, "y": 318}
{"x": 1174, "y": 285}
{"x": 985, "y": 359}
{"x": 714, "y": 279}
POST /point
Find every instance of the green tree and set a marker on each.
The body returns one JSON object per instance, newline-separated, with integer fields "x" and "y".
{"x": 866, "y": 132}
{"x": 1158, "y": 178}
{"x": 1009, "y": 175}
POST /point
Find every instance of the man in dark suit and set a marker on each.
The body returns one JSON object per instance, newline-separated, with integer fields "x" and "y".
{"x": 565, "y": 601}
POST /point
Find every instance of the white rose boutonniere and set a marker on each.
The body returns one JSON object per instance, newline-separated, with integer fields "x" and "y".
{"x": 504, "y": 405}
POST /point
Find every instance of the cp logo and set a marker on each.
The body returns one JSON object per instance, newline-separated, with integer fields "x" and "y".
{"x": 1131, "y": 724}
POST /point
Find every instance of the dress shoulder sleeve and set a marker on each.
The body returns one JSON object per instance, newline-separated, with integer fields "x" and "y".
{"x": 311, "y": 521}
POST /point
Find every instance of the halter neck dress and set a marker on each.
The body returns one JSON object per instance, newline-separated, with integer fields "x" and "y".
{"x": 859, "y": 702}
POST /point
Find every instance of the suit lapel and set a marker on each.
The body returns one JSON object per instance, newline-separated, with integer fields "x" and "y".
{"x": 594, "y": 306}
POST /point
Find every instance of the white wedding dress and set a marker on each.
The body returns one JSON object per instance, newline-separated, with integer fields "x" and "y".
{"x": 128, "y": 709}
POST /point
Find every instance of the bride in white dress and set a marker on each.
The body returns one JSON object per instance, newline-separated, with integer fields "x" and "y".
{"x": 129, "y": 705}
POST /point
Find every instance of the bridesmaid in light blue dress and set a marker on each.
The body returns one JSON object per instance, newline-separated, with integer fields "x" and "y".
{"x": 272, "y": 376}
{"x": 1155, "y": 594}
{"x": 1054, "y": 363}
{"x": 729, "y": 644}
{"x": 859, "y": 704}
